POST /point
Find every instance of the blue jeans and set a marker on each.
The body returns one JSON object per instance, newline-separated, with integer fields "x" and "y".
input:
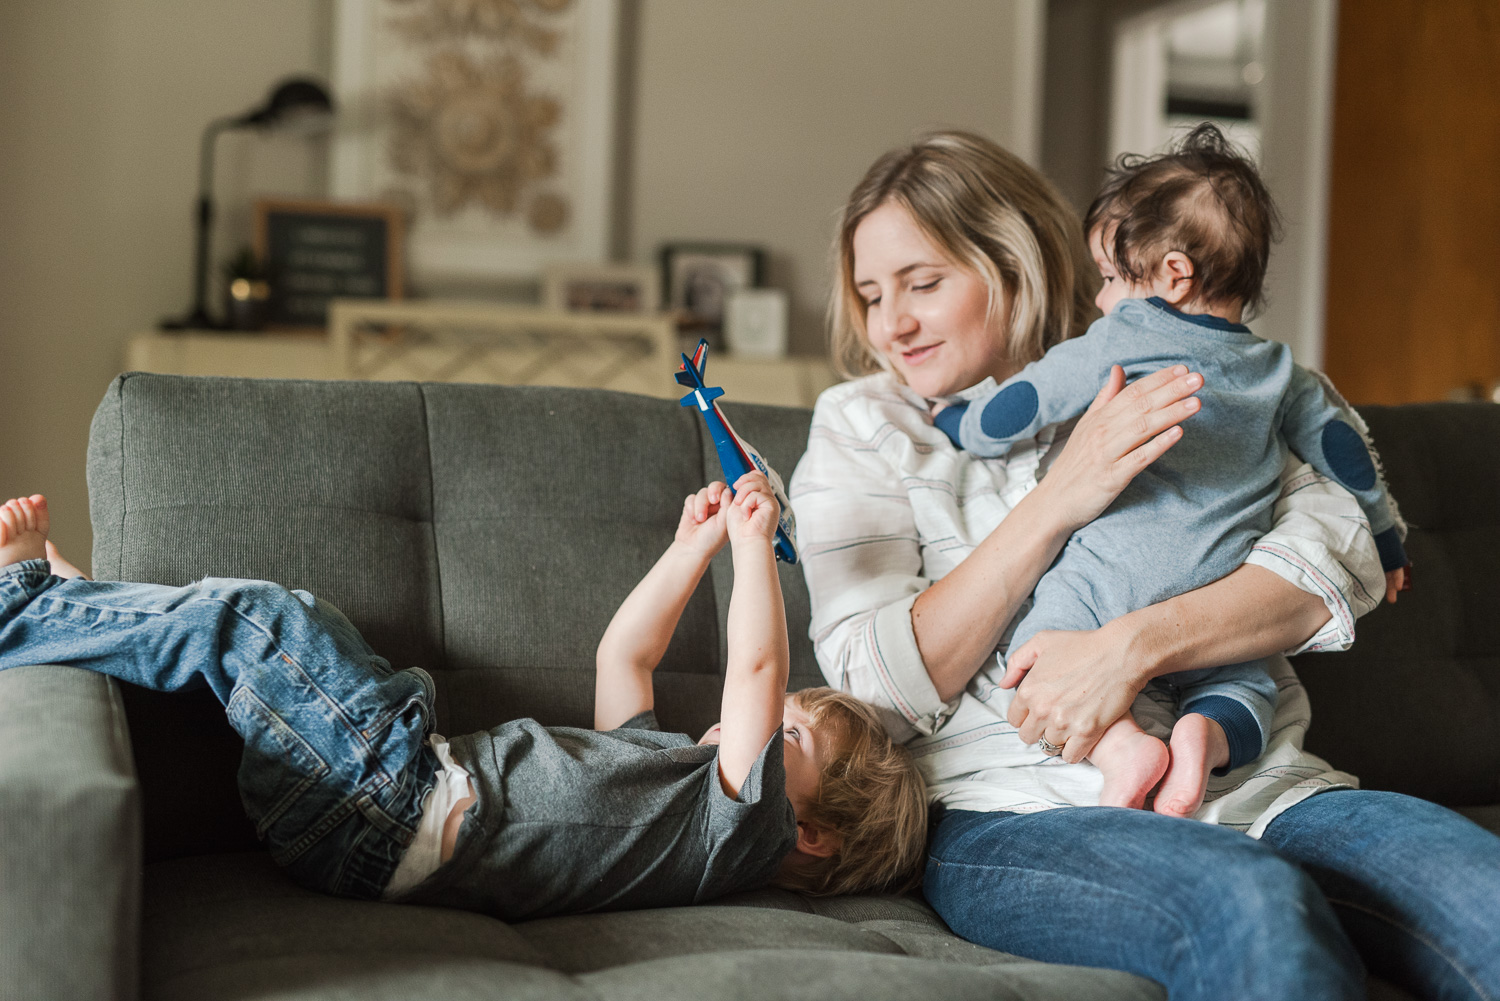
{"x": 1209, "y": 913}
{"x": 334, "y": 770}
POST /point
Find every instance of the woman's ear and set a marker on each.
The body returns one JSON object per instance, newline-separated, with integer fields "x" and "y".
{"x": 817, "y": 840}
{"x": 1177, "y": 277}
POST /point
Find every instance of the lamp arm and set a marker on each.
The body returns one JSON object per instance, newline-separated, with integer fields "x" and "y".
{"x": 205, "y": 219}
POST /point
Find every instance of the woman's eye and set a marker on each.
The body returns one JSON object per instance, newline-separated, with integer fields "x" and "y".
{"x": 928, "y": 287}
{"x": 872, "y": 303}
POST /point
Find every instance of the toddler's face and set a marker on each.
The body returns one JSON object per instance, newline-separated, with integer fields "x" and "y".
{"x": 800, "y": 749}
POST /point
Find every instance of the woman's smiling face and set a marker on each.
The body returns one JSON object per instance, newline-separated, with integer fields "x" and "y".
{"x": 929, "y": 317}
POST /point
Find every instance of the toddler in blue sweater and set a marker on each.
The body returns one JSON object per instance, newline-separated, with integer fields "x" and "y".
{"x": 1182, "y": 241}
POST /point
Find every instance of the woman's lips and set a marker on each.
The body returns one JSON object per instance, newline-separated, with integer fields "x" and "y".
{"x": 917, "y": 356}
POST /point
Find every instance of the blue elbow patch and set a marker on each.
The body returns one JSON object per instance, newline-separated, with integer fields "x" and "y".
{"x": 1344, "y": 451}
{"x": 1010, "y": 411}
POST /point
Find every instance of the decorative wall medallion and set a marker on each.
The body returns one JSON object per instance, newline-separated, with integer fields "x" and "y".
{"x": 490, "y": 119}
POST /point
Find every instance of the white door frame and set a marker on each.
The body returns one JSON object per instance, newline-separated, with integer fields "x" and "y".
{"x": 1295, "y": 114}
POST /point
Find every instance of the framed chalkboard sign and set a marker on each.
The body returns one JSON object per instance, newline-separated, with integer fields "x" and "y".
{"x": 316, "y": 251}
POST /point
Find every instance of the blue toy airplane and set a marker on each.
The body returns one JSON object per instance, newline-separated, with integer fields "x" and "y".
{"x": 736, "y": 455}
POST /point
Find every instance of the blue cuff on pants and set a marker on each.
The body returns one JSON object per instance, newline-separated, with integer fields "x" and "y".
{"x": 1245, "y": 740}
{"x": 1392, "y": 553}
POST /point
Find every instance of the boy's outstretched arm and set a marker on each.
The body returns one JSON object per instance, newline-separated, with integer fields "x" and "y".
{"x": 759, "y": 657}
{"x": 638, "y": 634}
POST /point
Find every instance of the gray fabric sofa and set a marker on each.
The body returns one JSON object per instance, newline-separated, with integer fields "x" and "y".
{"x": 487, "y": 534}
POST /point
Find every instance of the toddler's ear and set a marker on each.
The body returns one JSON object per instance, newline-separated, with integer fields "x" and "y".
{"x": 1177, "y": 276}
{"x": 817, "y": 840}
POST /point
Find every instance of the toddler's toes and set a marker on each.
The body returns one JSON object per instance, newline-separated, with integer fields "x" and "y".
{"x": 28, "y": 514}
{"x": 43, "y": 516}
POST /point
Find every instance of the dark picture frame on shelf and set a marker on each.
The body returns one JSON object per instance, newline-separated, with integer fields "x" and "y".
{"x": 315, "y": 251}
{"x": 697, "y": 279}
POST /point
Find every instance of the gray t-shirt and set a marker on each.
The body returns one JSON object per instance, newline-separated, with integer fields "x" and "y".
{"x": 571, "y": 820}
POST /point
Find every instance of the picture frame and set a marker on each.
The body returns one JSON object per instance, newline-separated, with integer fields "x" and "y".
{"x": 602, "y": 288}
{"x": 697, "y": 279}
{"x": 314, "y": 251}
{"x": 416, "y": 77}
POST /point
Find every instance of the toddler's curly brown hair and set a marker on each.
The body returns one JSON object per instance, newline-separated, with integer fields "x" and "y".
{"x": 1204, "y": 198}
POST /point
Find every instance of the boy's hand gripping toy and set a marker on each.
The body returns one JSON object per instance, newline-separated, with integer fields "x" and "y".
{"x": 736, "y": 455}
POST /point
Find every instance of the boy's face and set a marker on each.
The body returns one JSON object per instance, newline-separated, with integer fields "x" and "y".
{"x": 801, "y": 749}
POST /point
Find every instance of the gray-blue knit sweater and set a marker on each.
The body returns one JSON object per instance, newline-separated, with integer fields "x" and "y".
{"x": 1193, "y": 515}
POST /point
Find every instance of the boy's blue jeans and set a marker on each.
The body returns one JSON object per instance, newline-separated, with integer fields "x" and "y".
{"x": 335, "y": 768}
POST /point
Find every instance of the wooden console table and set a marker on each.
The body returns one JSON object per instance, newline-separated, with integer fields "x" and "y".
{"x": 459, "y": 342}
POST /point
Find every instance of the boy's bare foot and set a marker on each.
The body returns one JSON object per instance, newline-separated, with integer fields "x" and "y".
{"x": 61, "y": 567}
{"x": 23, "y": 529}
{"x": 1132, "y": 761}
{"x": 1196, "y": 748}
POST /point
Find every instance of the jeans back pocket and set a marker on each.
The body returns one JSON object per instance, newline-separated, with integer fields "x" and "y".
{"x": 278, "y": 765}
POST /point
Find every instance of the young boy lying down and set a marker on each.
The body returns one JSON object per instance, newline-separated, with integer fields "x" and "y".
{"x": 354, "y": 798}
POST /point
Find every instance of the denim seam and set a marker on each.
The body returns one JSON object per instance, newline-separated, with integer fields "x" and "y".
{"x": 280, "y": 807}
{"x": 1171, "y": 918}
{"x": 1478, "y": 989}
{"x": 324, "y": 826}
{"x": 328, "y": 700}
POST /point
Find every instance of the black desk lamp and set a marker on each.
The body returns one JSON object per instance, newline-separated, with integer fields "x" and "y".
{"x": 298, "y": 100}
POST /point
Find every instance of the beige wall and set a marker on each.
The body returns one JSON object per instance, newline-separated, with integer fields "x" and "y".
{"x": 743, "y": 122}
{"x": 102, "y": 103}
{"x": 754, "y": 120}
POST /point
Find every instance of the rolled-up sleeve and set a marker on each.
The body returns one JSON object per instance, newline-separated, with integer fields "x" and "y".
{"x": 862, "y": 559}
{"x": 1320, "y": 541}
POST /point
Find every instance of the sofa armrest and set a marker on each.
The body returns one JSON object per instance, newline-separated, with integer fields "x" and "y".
{"x": 70, "y": 838}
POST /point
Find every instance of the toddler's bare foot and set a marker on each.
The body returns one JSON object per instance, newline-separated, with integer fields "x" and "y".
{"x": 1198, "y": 745}
{"x": 23, "y": 529}
{"x": 60, "y": 566}
{"x": 1133, "y": 762}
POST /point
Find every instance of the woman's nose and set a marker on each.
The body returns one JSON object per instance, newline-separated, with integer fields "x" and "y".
{"x": 900, "y": 320}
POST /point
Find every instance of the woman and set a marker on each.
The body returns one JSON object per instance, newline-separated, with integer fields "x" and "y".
{"x": 958, "y": 264}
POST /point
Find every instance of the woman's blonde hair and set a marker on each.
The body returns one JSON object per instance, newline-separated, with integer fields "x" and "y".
{"x": 989, "y": 212}
{"x": 871, "y": 795}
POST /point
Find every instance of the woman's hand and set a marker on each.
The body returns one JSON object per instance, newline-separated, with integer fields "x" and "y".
{"x": 1123, "y": 431}
{"x": 1075, "y": 685}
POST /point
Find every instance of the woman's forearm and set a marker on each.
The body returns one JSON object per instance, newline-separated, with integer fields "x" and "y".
{"x": 1249, "y": 614}
{"x": 958, "y": 621}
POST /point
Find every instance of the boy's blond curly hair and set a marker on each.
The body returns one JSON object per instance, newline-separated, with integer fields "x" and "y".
{"x": 871, "y": 794}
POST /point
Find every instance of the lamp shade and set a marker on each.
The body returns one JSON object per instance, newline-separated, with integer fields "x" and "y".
{"x": 291, "y": 98}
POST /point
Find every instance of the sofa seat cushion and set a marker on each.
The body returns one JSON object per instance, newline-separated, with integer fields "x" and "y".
{"x": 233, "y": 927}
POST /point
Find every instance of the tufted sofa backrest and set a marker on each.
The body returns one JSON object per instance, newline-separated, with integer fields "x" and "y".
{"x": 1415, "y": 705}
{"x": 485, "y": 533}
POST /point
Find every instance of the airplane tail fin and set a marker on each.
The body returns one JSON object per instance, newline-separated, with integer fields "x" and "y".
{"x": 690, "y": 373}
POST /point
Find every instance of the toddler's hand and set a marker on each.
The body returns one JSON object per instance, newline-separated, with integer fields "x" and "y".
{"x": 702, "y": 527}
{"x": 1396, "y": 581}
{"x": 754, "y": 511}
